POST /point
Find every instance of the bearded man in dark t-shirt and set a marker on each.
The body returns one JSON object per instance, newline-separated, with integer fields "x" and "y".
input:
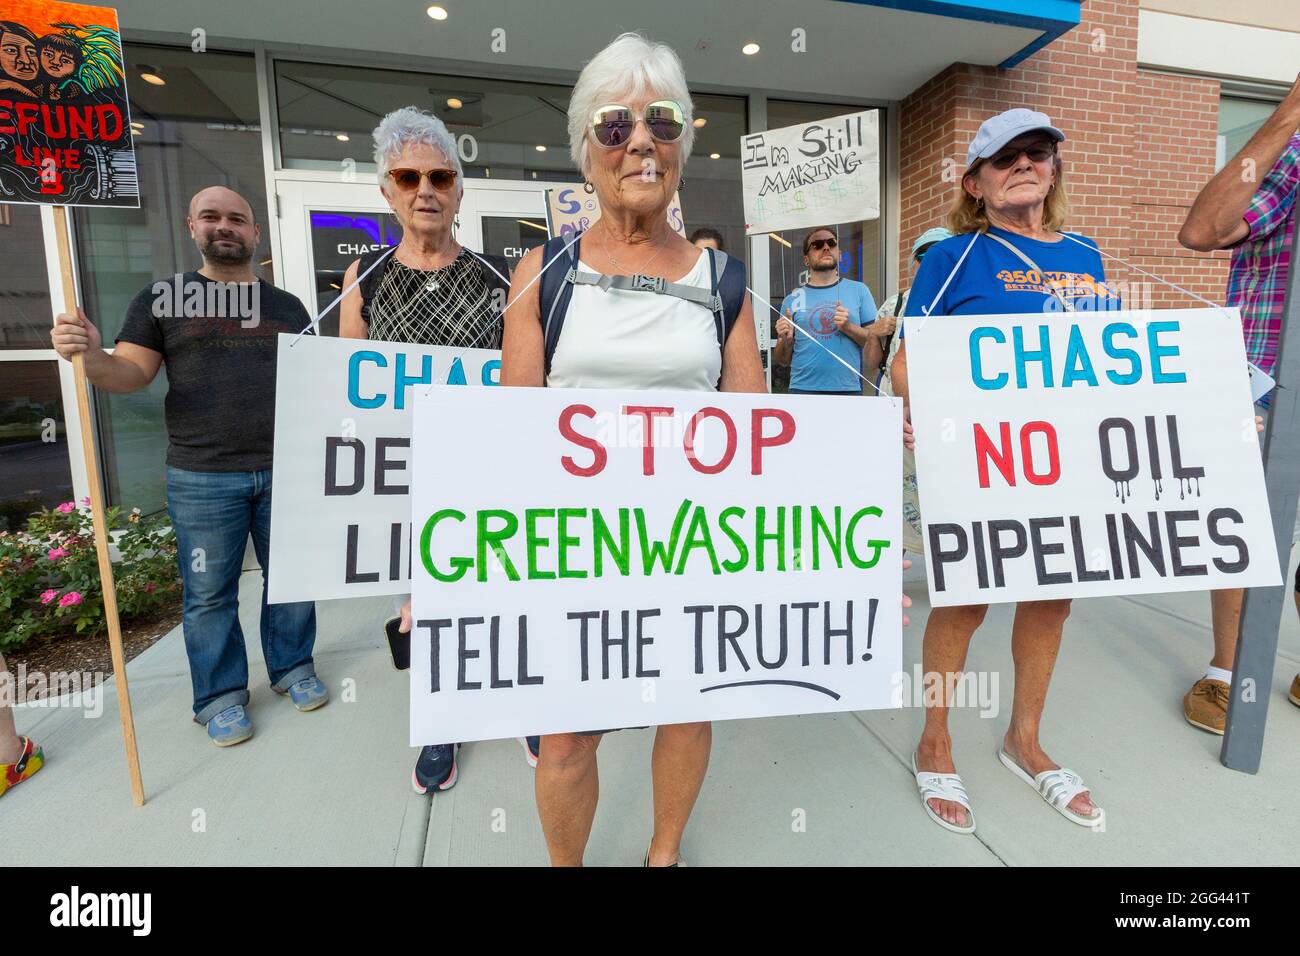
{"x": 216, "y": 331}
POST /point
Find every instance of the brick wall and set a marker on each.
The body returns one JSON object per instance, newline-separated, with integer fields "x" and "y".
{"x": 1139, "y": 145}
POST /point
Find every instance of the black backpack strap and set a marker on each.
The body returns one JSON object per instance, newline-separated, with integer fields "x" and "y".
{"x": 728, "y": 277}
{"x": 556, "y": 290}
{"x": 372, "y": 277}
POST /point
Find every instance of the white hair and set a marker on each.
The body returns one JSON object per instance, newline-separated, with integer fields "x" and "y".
{"x": 410, "y": 125}
{"x": 631, "y": 67}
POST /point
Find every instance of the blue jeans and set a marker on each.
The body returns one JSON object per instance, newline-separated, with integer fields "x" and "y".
{"x": 213, "y": 513}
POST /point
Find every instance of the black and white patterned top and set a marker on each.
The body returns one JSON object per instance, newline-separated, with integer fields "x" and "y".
{"x": 458, "y": 305}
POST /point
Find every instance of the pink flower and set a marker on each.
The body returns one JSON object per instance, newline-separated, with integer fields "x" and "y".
{"x": 55, "y": 553}
{"x": 48, "y": 596}
{"x": 70, "y": 599}
{"x": 85, "y": 502}
{"x": 67, "y": 507}
{"x": 150, "y": 587}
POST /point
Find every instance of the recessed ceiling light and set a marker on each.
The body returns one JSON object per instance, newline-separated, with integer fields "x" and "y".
{"x": 136, "y": 124}
{"x": 699, "y": 123}
{"x": 715, "y": 155}
{"x": 149, "y": 76}
{"x": 454, "y": 103}
{"x": 436, "y": 12}
{"x": 540, "y": 148}
{"x": 749, "y": 49}
{"x": 341, "y": 137}
{"x": 136, "y": 132}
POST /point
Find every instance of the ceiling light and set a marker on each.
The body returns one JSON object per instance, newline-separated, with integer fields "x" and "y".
{"x": 341, "y": 137}
{"x": 699, "y": 122}
{"x": 453, "y": 103}
{"x": 715, "y": 155}
{"x": 436, "y": 12}
{"x": 149, "y": 75}
{"x": 540, "y": 148}
{"x": 749, "y": 49}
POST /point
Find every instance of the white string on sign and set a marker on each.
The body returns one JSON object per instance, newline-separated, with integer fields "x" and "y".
{"x": 1149, "y": 275}
{"x": 811, "y": 338}
{"x": 315, "y": 323}
{"x": 926, "y": 310}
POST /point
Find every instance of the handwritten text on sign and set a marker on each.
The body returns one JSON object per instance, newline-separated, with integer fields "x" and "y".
{"x": 1081, "y": 455}
{"x": 340, "y": 511}
{"x": 813, "y": 174}
{"x": 637, "y": 558}
{"x": 571, "y": 209}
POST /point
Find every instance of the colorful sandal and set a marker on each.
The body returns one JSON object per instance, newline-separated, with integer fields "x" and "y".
{"x": 12, "y": 774}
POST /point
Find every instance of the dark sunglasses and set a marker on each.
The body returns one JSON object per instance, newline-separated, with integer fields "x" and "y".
{"x": 819, "y": 244}
{"x": 408, "y": 180}
{"x": 1037, "y": 153}
{"x": 612, "y": 125}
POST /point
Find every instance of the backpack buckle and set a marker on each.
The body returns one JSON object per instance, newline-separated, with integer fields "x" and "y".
{"x": 715, "y": 303}
{"x": 649, "y": 283}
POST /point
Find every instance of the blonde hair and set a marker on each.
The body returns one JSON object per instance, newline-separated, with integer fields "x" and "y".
{"x": 967, "y": 214}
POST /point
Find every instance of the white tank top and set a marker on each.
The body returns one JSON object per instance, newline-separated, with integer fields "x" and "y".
{"x": 618, "y": 338}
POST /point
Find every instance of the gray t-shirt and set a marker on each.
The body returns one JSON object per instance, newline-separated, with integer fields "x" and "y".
{"x": 218, "y": 341}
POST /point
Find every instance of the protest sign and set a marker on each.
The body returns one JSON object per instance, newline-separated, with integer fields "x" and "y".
{"x": 1087, "y": 454}
{"x": 813, "y": 174}
{"x": 340, "y": 510}
{"x": 65, "y": 125}
{"x": 631, "y": 558}
{"x": 570, "y": 209}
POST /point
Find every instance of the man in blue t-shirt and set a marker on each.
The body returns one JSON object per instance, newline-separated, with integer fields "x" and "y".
{"x": 835, "y": 313}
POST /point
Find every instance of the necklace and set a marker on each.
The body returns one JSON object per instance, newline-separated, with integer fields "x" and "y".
{"x": 645, "y": 266}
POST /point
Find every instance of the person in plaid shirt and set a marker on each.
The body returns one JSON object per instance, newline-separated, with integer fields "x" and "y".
{"x": 1256, "y": 220}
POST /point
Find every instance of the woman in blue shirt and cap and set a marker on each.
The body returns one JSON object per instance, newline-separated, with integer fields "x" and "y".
{"x": 1006, "y": 220}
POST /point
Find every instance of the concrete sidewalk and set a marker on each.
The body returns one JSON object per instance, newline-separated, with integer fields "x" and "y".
{"x": 333, "y": 786}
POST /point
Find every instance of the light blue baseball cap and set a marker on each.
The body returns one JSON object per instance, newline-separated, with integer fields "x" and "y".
{"x": 929, "y": 238}
{"x": 996, "y": 131}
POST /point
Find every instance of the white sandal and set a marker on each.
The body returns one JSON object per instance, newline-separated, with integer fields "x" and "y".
{"x": 1057, "y": 787}
{"x": 943, "y": 786}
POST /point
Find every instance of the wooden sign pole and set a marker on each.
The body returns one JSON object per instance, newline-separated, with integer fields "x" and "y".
{"x": 97, "y": 514}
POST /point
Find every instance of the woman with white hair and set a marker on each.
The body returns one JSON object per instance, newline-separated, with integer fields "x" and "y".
{"x": 429, "y": 290}
{"x": 629, "y": 304}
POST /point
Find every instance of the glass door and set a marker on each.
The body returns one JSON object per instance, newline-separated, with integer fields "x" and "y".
{"x": 327, "y": 225}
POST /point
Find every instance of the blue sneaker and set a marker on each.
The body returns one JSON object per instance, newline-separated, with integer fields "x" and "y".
{"x": 230, "y": 727}
{"x": 307, "y": 694}
{"x": 435, "y": 769}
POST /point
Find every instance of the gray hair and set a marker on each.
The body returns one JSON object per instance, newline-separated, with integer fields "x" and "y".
{"x": 410, "y": 125}
{"x": 632, "y": 66}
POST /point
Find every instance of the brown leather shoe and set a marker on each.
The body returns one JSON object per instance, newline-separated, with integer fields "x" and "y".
{"x": 1295, "y": 691}
{"x": 1206, "y": 705}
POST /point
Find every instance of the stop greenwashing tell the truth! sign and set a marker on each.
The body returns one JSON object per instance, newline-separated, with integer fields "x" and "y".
{"x": 629, "y": 558}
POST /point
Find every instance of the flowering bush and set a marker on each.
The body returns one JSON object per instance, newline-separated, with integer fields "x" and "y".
{"x": 49, "y": 574}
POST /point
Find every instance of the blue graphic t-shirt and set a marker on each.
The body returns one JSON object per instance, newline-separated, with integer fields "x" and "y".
{"x": 813, "y": 310}
{"x": 994, "y": 281}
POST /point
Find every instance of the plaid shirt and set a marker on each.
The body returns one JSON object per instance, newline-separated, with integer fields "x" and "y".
{"x": 1260, "y": 264}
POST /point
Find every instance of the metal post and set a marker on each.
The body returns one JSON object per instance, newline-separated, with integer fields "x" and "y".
{"x": 1261, "y": 612}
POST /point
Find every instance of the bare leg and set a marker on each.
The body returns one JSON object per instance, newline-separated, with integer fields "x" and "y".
{"x": 11, "y": 748}
{"x": 680, "y": 760}
{"x": 943, "y": 652}
{"x": 567, "y": 786}
{"x": 1035, "y": 641}
{"x": 1225, "y": 615}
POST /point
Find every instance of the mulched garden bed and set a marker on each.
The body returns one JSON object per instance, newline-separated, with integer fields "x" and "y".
{"x": 77, "y": 653}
